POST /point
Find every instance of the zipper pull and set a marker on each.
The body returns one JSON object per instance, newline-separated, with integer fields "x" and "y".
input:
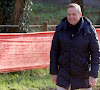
{"x": 72, "y": 35}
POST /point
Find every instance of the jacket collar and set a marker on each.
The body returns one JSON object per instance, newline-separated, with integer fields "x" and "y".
{"x": 86, "y": 24}
{"x": 63, "y": 24}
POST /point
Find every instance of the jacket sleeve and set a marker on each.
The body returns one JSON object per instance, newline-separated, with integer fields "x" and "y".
{"x": 54, "y": 54}
{"x": 95, "y": 54}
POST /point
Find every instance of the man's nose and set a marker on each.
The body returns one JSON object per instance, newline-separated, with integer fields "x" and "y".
{"x": 71, "y": 16}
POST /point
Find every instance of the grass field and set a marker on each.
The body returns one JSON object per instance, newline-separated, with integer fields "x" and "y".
{"x": 27, "y": 80}
{"x": 54, "y": 13}
{"x": 38, "y": 79}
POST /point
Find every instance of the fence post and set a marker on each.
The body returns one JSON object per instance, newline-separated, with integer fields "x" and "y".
{"x": 45, "y": 26}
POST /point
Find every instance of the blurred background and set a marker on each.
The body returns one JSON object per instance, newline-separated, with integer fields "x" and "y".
{"x": 35, "y": 12}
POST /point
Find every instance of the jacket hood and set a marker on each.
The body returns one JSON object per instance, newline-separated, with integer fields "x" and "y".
{"x": 63, "y": 24}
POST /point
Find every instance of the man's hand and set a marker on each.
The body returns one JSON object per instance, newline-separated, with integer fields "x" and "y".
{"x": 54, "y": 78}
{"x": 92, "y": 81}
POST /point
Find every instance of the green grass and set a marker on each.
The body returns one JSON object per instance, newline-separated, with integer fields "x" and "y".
{"x": 47, "y": 12}
{"x": 92, "y": 14}
{"x": 38, "y": 79}
{"x": 54, "y": 13}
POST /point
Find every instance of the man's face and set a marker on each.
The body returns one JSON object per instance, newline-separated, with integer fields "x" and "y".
{"x": 73, "y": 15}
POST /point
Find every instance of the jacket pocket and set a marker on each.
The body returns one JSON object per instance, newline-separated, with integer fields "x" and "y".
{"x": 85, "y": 64}
{"x": 79, "y": 65}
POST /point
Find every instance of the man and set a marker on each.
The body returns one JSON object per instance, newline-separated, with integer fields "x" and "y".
{"x": 74, "y": 55}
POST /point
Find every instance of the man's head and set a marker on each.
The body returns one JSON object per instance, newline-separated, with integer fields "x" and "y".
{"x": 73, "y": 13}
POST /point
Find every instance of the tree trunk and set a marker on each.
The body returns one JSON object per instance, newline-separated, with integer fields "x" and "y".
{"x": 98, "y": 21}
{"x": 10, "y": 14}
{"x": 80, "y": 2}
{"x": 18, "y": 11}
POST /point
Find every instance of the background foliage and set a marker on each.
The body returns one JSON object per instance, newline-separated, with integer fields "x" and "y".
{"x": 19, "y": 12}
{"x": 15, "y": 12}
{"x": 25, "y": 19}
{"x": 6, "y": 9}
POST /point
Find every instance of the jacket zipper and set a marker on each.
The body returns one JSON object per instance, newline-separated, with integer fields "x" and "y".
{"x": 72, "y": 35}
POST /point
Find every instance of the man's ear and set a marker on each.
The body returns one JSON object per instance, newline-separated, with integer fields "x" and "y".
{"x": 81, "y": 14}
